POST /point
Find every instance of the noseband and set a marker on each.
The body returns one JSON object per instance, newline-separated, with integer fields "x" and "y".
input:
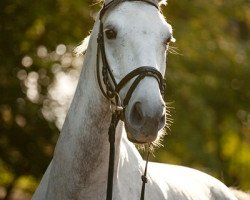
{"x": 111, "y": 89}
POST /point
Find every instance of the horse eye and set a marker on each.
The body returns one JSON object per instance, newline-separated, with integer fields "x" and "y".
{"x": 110, "y": 34}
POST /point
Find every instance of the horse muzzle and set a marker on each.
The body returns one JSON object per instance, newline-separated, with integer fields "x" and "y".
{"x": 143, "y": 122}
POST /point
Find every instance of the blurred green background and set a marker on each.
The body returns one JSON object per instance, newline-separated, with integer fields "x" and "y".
{"x": 208, "y": 86}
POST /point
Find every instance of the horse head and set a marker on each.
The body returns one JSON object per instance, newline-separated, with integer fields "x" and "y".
{"x": 136, "y": 35}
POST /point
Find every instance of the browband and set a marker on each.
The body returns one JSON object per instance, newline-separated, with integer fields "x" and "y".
{"x": 113, "y": 3}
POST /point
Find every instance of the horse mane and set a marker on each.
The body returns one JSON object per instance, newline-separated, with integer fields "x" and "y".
{"x": 81, "y": 50}
{"x": 82, "y": 47}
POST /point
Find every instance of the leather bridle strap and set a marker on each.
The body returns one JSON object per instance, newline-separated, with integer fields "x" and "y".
{"x": 113, "y": 3}
{"x": 113, "y": 89}
{"x": 106, "y": 71}
{"x": 111, "y": 133}
{"x": 108, "y": 77}
{"x": 144, "y": 176}
{"x": 141, "y": 73}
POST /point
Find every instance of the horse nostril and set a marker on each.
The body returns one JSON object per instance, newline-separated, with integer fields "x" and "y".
{"x": 136, "y": 114}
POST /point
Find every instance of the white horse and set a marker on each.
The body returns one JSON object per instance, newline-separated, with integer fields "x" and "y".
{"x": 136, "y": 34}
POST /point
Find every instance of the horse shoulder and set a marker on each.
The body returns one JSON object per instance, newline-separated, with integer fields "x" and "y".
{"x": 178, "y": 182}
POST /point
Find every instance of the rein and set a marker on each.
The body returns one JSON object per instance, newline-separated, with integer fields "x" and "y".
{"x": 110, "y": 89}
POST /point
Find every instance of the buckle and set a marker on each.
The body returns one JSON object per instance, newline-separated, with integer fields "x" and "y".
{"x": 100, "y": 38}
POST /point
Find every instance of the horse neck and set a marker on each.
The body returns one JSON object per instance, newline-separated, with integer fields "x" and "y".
{"x": 81, "y": 154}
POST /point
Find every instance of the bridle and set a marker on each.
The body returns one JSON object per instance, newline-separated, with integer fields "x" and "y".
{"x": 112, "y": 94}
{"x": 111, "y": 89}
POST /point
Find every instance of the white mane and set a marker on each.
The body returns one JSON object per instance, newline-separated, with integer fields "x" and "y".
{"x": 82, "y": 47}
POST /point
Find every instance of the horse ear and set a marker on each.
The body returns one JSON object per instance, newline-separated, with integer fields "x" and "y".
{"x": 162, "y": 2}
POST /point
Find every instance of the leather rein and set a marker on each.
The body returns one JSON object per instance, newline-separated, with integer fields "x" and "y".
{"x": 110, "y": 89}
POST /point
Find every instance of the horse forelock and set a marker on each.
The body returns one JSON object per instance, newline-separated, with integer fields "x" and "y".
{"x": 82, "y": 47}
{"x": 160, "y": 2}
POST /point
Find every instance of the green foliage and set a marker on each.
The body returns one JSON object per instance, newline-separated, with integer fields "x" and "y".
{"x": 28, "y": 30}
{"x": 207, "y": 84}
{"x": 209, "y": 87}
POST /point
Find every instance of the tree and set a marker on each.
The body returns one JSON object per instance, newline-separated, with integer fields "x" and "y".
{"x": 209, "y": 87}
{"x": 29, "y": 30}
